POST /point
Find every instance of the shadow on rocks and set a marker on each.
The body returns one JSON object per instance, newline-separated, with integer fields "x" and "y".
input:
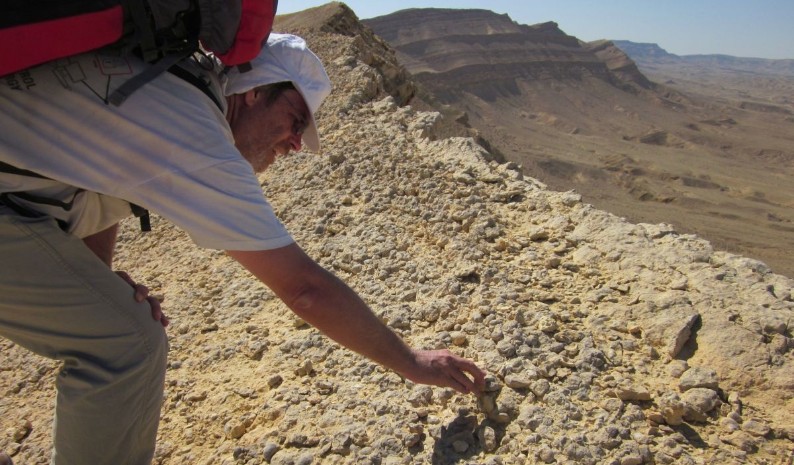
{"x": 691, "y": 436}
{"x": 691, "y": 345}
{"x": 461, "y": 439}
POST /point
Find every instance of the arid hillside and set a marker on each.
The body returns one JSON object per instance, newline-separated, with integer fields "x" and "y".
{"x": 605, "y": 341}
{"x": 700, "y": 142}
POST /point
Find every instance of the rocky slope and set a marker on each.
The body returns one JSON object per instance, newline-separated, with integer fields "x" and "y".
{"x": 606, "y": 341}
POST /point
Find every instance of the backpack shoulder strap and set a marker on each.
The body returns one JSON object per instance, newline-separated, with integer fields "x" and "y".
{"x": 136, "y": 82}
{"x": 11, "y": 169}
{"x": 198, "y": 83}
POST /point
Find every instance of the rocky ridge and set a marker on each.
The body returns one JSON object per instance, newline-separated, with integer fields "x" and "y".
{"x": 481, "y": 52}
{"x": 606, "y": 341}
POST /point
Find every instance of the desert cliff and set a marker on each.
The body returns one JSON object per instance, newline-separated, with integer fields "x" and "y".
{"x": 606, "y": 341}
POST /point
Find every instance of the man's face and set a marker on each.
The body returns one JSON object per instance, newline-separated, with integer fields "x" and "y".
{"x": 264, "y": 131}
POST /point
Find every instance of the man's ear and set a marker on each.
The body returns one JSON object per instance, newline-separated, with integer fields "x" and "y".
{"x": 251, "y": 97}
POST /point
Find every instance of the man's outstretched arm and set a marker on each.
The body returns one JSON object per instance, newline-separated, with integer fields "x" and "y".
{"x": 328, "y": 304}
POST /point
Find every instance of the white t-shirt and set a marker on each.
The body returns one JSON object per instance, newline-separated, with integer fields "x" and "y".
{"x": 167, "y": 148}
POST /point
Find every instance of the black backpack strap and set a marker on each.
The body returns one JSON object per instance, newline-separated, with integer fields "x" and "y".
{"x": 11, "y": 169}
{"x": 144, "y": 29}
{"x": 66, "y": 206}
{"x": 136, "y": 82}
{"x": 143, "y": 216}
{"x": 161, "y": 56}
{"x": 196, "y": 81}
{"x": 5, "y": 199}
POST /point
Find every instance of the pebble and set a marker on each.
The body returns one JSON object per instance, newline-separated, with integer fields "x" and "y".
{"x": 460, "y": 446}
{"x": 672, "y": 408}
{"x": 421, "y": 395}
{"x": 518, "y": 381}
{"x": 235, "y": 429}
{"x": 631, "y": 460}
{"x": 274, "y": 381}
{"x": 487, "y": 437}
{"x": 540, "y": 387}
{"x": 676, "y": 368}
{"x": 698, "y": 377}
{"x": 632, "y": 392}
{"x": 459, "y": 338}
{"x": 756, "y": 428}
{"x": 546, "y": 455}
{"x": 412, "y": 439}
{"x": 729, "y": 425}
{"x": 699, "y": 402}
{"x": 548, "y": 324}
{"x": 741, "y": 440}
{"x": 22, "y": 430}
{"x": 305, "y": 368}
{"x": 196, "y": 396}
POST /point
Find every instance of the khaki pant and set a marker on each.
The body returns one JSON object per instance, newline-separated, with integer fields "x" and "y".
{"x": 59, "y": 300}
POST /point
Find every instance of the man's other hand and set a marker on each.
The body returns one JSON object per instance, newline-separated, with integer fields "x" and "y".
{"x": 141, "y": 294}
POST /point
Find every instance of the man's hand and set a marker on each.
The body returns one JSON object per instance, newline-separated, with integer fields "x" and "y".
{"x": 141, "y": 294}
{"x": 445, "y": 369}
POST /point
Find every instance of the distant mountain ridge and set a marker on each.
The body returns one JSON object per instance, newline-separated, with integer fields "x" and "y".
{"x": 483, "y": 52}
{"x": 646, "y": 53}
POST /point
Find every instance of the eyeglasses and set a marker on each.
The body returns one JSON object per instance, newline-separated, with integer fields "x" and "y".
{"x": 299, "y": 120}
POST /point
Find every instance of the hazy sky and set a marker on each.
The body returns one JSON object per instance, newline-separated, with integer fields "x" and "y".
{"x": 745, "y": 28}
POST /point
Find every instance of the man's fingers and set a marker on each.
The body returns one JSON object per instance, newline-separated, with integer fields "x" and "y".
{"x": 155, "y": 305}
{"x": 141, "y": 292}
{"x": 464, "y": 384}
{"x": 463, "y": 366}
{"x": 457, "y": 368}
{"x": 475, "y": 383}
{"x": 157, "y": 312}
{"x": 478, "y": 375}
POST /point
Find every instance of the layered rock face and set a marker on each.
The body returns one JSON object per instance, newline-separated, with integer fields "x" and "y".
{"x": 483, "y": 52}
{"x": 605, "y": 341}
{"x": 619, "y": 63}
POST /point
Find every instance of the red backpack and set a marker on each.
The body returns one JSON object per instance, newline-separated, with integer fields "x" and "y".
{"x": 160, "y": 31}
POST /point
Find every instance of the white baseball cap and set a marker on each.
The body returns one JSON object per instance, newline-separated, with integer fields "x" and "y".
{"x": 286, "y": 57}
